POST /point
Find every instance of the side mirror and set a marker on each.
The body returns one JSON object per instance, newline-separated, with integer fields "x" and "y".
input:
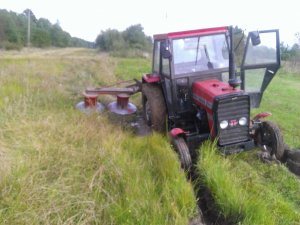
{"x": 165, "y": 51}
{"x": 255, "y": 38}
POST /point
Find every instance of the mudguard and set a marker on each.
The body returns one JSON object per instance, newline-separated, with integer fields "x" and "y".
{"x": 261, "y": 115}
{"x": 175, "y": 132}
{"x": 151, "y": 78}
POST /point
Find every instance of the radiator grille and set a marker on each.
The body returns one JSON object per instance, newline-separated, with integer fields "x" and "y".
{"x": 232, "y": 109}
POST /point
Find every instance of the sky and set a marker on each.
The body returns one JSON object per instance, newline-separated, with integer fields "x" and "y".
{"x": 86, "y": 19}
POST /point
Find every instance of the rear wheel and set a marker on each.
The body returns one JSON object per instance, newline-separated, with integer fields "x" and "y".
{"x": 270, "y": 137}
{"x": 183, "y": 151}
{"x": 154, "y": 107}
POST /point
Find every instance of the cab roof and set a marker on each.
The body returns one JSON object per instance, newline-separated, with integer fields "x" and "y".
{"x": 191, "y": 33}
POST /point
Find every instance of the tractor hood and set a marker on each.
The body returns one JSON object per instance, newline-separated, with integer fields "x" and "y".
{"x": 205, "y": 92}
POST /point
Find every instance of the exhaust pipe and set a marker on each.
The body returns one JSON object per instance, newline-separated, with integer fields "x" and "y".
{"x": 233, "y": 80}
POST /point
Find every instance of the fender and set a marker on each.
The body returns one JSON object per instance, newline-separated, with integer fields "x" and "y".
{"x": 175, "y": 132}
{"x": 151, "y": 78}
{"x": 261, "y": 115}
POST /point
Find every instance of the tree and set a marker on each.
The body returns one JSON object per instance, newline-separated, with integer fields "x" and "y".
{"x": 59, "y": 37}
{"x": 44, "y": 24}
{"x": 41, "y": 38}
{"x": 110, "y": 40}
{"x": 135, "y": 36}
{"x": 11, "y": 30}
{"x": 28, "y": 12}
{"x": 285, "y": 52}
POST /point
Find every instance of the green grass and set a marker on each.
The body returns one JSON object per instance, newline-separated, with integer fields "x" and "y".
{"x": 247, "y": 191}
{"x": 59, "y": 166}
{"x": 132, "y": 68}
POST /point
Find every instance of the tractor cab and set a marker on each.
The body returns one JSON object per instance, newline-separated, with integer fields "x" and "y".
{"x": 180, "y": 58}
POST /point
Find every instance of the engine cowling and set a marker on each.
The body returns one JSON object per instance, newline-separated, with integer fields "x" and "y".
{"x": 228, "y": 110}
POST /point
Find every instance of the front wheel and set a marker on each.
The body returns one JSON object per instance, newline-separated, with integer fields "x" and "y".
{"x": 269, "y": 136}
{"x": 182, "y": 149}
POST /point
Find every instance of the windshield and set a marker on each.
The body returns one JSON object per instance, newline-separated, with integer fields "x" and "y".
{"x": 200, "y": 53}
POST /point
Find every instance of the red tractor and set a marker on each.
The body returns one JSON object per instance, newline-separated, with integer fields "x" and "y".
{"x": 192, "y": 91}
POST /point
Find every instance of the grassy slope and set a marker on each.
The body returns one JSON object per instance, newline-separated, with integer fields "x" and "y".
{"x": 59, "y": 166}
{"x": 248, "y": 191}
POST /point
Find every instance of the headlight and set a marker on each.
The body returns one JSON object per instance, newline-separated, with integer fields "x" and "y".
{"x": 224, "y": 124}
{"x": 243, "y": 121}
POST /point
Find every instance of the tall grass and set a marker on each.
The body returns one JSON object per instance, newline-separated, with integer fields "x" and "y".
{"x": 249, "y": 192}
{"x": 59, "y": 166}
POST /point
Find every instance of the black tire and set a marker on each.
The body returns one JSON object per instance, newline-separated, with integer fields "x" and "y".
{"x": 293, "y": 166}
{"x": 270, "y": 136}
{"x": 154, "y": 107}
{"x": 182, "y": 149}
{"x": 294, "y": 155}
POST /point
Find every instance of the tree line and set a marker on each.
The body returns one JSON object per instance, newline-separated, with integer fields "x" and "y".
{"x": 290, "y": 53}
{"x": 14, "y": 32}
{"x": 131, "y": 41}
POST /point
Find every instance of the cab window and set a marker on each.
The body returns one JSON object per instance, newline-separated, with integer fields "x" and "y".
{"x": 156, "y": 57}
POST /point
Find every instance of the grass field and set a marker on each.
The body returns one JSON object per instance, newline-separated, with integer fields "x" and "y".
{"x": 59, "y": 166}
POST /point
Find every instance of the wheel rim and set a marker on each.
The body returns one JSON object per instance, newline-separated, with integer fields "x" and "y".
{"x": 267, "y": 141}
{"x": 270, "y": 139}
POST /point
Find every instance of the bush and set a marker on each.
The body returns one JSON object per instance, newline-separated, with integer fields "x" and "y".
{"x": 10, "y": 46}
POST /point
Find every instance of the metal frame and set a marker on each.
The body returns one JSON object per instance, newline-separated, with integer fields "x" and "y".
{"x": 268, "y": 76}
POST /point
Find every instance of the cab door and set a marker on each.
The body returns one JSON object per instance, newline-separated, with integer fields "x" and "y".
{"x": 260, "y": 63}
